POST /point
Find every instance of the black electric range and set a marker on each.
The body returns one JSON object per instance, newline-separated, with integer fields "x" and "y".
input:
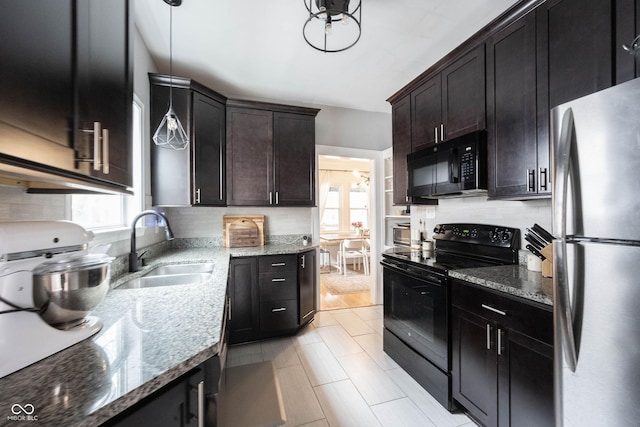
{"x": 417, "y": 297}
{"x": 460, "y": 246}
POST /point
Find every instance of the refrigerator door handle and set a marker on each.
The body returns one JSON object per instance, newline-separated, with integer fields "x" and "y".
{"x": 562, "y": 304}
{"x": 562, "y": 155}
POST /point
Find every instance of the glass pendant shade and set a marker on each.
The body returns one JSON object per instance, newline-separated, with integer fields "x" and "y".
{"x": 170, "y": 133}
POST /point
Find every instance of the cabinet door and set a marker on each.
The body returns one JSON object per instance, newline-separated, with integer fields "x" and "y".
{"x": 307, "y": 286}
{"x": 105, "y": 86}
{"x": 170, "y": 169}
{"x": 426, "y": 114}
{"x": 474, "y": 370}
{"x": 295, "y": 159}
{"x": 511, "y": 108}
{"x": 401, "y": 124}
{"x": 36, "y": 104}
{"x": 249, "y": 157}
{"x": 208, "y": 139}
{"x": 627, "y": 29}
{"x": 463, "y": 95}
{"x": 525, "y": 380}
{"x": 243, "y": 291}
{"x": 575, "y": 57}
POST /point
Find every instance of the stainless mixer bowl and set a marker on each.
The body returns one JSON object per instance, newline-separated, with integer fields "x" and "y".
{"x": 68, "y": 289}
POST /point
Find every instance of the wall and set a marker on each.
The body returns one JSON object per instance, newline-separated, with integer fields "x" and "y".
{"x": 344, "y": 127}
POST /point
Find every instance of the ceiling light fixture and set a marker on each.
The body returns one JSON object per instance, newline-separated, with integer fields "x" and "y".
{"x": 319, "y": 30}
{"x": 170, "y": 133}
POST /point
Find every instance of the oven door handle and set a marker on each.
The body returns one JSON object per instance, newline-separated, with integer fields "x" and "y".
{"x": 421, "y": 275}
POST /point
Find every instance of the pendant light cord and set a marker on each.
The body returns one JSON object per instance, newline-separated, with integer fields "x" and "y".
{"x": 170, "y": 57}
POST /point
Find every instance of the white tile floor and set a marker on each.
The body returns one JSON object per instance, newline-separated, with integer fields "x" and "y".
{"x": 334, "y": 373}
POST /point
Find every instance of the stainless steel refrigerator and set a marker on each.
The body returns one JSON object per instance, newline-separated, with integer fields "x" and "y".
{"x": 596, "y": 222}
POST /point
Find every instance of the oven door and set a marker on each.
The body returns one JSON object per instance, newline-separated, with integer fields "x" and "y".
{"x": 415, "y": 310}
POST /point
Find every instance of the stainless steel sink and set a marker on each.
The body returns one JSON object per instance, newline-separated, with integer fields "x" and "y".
{"x": 172, "y": 275}
{"x": 164, "y": 270}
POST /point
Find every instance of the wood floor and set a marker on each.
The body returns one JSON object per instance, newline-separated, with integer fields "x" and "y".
{"x": 334, "y": 373}
{"x": 332, "y": 301}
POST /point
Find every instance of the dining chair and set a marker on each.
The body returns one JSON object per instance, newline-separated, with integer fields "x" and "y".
{"x": 351, "y": 250}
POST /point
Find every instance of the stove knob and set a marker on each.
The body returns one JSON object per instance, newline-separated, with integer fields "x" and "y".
{"x": 506, "y": 236}
{"x": 495, "y": 235}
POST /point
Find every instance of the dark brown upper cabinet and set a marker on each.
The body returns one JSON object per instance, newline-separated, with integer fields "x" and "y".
{"x": 512, "y": 146}
{"x": 270, "y": 154}
{"x": 63, "y": 79}
{"x": 450, "y": 103}
{"x": 401, "y": 134}
{"x": 627, "y": 29}
{"x": 194, "y": 176}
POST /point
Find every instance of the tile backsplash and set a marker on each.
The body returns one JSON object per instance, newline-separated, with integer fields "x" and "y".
{"x": 17, "y": 205}
{"x": 517, "y": 214}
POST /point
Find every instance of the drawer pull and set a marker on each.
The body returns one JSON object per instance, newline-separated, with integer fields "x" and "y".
{"x": 276, "y": 310}
{"x": 278, "y": 280}
{"x": 278, "y": 264}
{"x": 495, "y": 310}
{"x": 499, "y": 342}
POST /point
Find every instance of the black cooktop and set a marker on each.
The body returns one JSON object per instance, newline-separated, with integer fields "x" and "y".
{"x": 460, "y": 246}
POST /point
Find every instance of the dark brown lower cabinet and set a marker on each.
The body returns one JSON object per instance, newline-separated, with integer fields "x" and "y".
{"x": 271, "y": 295}
{"x": 502, "y": 357}
{"x": 179, "y": 403}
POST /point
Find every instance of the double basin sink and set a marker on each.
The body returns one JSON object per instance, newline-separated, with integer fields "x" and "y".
{"x": 171, "y": 275}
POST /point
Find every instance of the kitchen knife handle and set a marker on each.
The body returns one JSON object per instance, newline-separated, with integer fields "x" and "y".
{"x": 535, "y": 252}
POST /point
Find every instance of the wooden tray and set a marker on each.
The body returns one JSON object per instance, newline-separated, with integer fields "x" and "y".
{"x": 242, "y": 230}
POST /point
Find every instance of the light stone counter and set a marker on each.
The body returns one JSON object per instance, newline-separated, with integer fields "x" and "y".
{"x": 150, "y": 337}
{"x": 512, "y": 279}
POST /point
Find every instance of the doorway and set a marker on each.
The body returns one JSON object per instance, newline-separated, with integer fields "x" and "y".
{"x": 346, "y": 222}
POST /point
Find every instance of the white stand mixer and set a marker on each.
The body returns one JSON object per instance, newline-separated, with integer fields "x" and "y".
{"x": 25, "y": 337}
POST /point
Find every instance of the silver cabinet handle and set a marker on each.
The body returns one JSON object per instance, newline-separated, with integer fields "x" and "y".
{"x": 542, "y": 179}
{"x": 278, "y": 264}
{"x": 221, "y": 176}
{"x": 488, "y": 336}
{"x": 229, "y": 311}
{"x": 500, "y": 342}
{"x": 531, "y": 180}
{"x": 441, "y": 132}
{"x": 97, "y": 134}
{"x": 435, "y": 131}
{"x": 276, "y": 310}
{"x": 278, "y": 280}
{"x": 105, "y": 151}
{"x": 495, "y": 310}
{"x": 201, "y": 404}
{"x": 303, "y": 260}
{"x": 277, "y": 197}
{"x": 198, "y": 196}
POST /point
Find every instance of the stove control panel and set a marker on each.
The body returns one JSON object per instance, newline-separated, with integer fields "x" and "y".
{"x": 480, "y": 234}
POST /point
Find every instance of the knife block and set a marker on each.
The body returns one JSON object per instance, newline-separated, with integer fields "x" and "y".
{"x": 547, "y": 264}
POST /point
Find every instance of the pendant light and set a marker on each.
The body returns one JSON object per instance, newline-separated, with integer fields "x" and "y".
{"x": 332, "y": 25}
{"x": 170, "y": 134}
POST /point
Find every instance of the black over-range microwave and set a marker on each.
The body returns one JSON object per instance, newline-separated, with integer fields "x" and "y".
{"x": 453, "y": 168}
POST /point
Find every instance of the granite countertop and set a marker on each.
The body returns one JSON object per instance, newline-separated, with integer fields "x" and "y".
{"x": 150, "y": 336}
{"x": 512, "y": 279}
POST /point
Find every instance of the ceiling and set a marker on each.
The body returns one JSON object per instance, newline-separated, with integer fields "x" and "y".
{"x": 254, "y": 49}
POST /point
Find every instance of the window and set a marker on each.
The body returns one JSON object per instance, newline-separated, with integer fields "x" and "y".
{"x": 109, "y": 211}
{"x": 359, "y": 206}
{"x": 331, "y": 216}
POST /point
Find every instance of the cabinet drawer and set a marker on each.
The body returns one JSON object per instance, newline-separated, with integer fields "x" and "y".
{"x": 278, "y": 286}
{"x": 278, "y": 263}
{"x": 531, "y": 318}
{"x": 279, "y": 315}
